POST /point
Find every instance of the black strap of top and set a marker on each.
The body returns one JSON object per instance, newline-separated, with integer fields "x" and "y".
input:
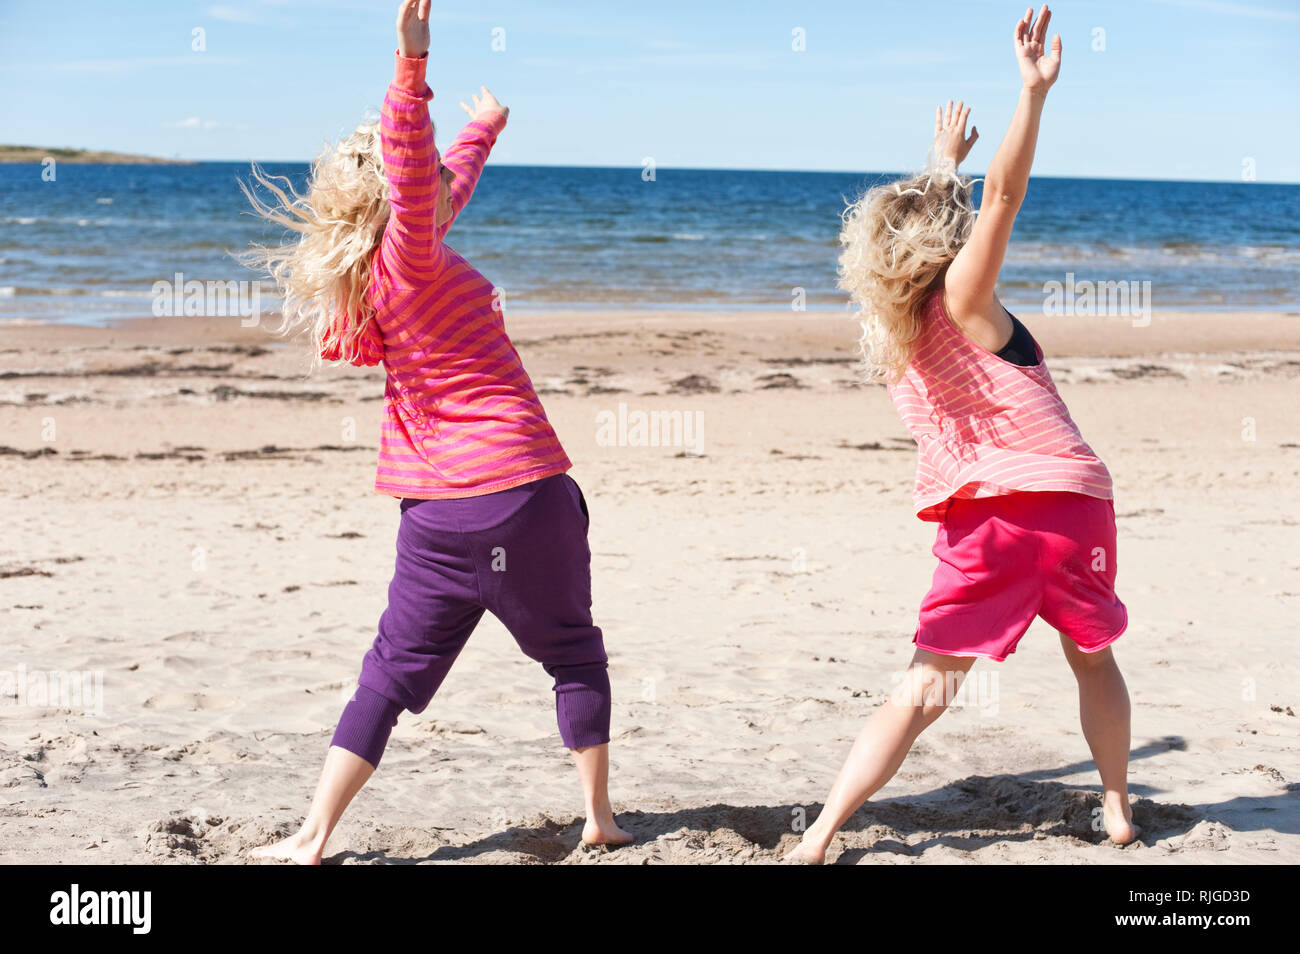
{"x": 1020, "y": 349}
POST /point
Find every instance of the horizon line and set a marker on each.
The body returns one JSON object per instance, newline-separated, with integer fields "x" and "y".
{"x": 868, "y": 172}
{"x": 177, "y": 160}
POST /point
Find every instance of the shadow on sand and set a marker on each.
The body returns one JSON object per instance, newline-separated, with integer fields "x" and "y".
{"x": 970, "y": 813}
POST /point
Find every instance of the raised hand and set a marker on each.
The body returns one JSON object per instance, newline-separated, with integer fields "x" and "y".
{"x": 484, "y": 102}
{"x": 1038, "y": 68}
{"x": 413, "y": 28}
{"x": 950, "y": 139}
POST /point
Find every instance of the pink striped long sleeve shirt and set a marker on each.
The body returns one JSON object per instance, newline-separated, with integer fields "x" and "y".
{"x": 984, "y": 426}
{"x": 461, "y": 416}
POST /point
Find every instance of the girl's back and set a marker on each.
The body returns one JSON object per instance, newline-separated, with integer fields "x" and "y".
{"x": 461, "y": 416}
{"x": 984, "y": 426}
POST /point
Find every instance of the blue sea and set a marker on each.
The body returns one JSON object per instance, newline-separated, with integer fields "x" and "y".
{"x": 88, "y": 247}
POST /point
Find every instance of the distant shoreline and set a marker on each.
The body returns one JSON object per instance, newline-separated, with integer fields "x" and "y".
{"x": 37, "y": 154}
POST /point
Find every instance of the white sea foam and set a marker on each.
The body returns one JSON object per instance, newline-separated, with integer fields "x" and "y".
{"x": 1162, "y": 255}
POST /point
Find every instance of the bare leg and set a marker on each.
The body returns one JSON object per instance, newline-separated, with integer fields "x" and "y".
{"x": 1104, "y": 716}
{"x": 884, "y": 742}
{"x": 342, "y": 777}
{"x": 593, "y": 769}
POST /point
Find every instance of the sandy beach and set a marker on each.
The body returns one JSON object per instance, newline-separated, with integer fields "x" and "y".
{"x": 192, "y": 521}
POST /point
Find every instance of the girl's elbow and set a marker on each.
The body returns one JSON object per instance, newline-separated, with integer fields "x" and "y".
{"x": 1003, "y": 192}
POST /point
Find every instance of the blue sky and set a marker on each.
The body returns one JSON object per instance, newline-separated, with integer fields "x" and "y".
{"x": 1184, "y": 89}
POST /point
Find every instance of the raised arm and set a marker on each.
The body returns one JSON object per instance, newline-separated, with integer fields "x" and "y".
{"x": 469, "y": 152}
{"x": 411, "y": 240}
{"x": 972, "y": 278}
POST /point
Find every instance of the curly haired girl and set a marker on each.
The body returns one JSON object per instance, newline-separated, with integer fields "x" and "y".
{"x": 490, "y": 520}
{"x": 1024, "y": 507}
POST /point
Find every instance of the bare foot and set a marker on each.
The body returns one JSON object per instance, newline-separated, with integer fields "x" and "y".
{"x": 1117, "y": 816}
{"x": 297, "y": 848}
{"x": 806, "y": 854}
{"x": 605, "y": 832}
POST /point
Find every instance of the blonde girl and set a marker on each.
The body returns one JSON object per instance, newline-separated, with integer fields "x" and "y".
{"x": 1026, "y": 523}
{"x": 490, "y": 520}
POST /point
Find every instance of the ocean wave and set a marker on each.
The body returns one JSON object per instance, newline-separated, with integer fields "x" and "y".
{"x": 180, "y": 222}
{"x": 67, "y": 220}
{"x": 1168, "y": 253}
{"x": 27, "y": 292}
{"x": 1271, "y": 254}
{"x": 23, "y": 291}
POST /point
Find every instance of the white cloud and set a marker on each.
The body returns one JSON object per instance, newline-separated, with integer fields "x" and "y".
{"x": 1236, "y": 9}
{"x": 193, "y": 122}
{"x": 121, "y": 66}
{"x": 546, "y": 61}
{"x": 232, "y": 15}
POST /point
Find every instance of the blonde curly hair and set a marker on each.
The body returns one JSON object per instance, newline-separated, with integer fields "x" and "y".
{"x": 898, "y": 240}
{"x": 323, "y": 274}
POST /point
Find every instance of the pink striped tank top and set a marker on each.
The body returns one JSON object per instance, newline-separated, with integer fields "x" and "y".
{"x": 984, "y": 426}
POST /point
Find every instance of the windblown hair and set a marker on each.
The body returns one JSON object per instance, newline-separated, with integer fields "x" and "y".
{"x": 898, "y": 240}
{"x": 323, "y": 274}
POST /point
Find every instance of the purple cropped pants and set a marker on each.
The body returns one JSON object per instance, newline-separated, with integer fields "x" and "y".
{"x": 520, "y": 554}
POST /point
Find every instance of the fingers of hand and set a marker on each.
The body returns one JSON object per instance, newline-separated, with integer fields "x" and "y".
{"x": 1040, "y": 31}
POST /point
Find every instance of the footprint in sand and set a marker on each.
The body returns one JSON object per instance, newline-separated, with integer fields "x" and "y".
{"x": 192, "y": 701}
{"x": 279, "y": 655}
{"x": 204, "y": 753}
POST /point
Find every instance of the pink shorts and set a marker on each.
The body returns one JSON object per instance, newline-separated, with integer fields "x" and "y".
{"x": 1004, "y": 560}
